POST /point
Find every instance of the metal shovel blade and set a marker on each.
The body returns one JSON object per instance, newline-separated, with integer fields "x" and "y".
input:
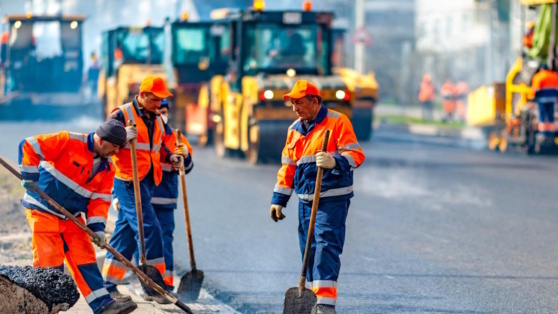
{"x": 154, "y": 275}
{"x": 295, "y": 304}
{"x": 190, "y": 286}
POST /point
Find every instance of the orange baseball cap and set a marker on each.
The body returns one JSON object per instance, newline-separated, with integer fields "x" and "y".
{"x": 155, "y": 85}
{"x": 302, "y": 88}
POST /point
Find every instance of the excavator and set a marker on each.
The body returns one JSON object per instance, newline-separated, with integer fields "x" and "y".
{"x": 42, "y": 67}
{"x": 269, "y": 52}
{"x": 504, "y": 110}
{"x": 128, "y": 55}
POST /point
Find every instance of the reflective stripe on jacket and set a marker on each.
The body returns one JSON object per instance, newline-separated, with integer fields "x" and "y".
{"x": 166, "y": 193}
{"x": 298, "y": 170}
{"x": 147, "y": 154}
{"x": 62, "y": 164}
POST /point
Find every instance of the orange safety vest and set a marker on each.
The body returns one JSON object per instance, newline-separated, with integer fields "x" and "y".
{"x": 146, "y": 155}
{"x": 544, "y": 79}
{"x": 426, "y": 92}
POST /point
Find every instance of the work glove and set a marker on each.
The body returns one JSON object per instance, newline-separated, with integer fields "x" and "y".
{"x": 182, "y": 150}
{"x": 30, "y": 185}
{"x": 325, "y": 160}
{"x": 131, "y": 133}
{"x": 176, "y": 161}
{"x": 275, "y": 212}
{"x": 102, "y": 237}
{"x": 115, "y": 204}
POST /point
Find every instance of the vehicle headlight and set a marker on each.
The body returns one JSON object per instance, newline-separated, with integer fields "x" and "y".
{"x": 340, "y": 94}
{"x": 268, "y": 94}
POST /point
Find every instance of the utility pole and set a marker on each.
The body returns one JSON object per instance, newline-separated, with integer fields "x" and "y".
{"x": 359, "y": 47}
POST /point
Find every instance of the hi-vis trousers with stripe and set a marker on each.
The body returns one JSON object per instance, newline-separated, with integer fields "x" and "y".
{"x": 329, "y": 238}
{"x": 54, "y": 240}
{"x": 125, "y": 238}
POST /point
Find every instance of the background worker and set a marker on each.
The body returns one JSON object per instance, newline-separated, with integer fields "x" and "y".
{"x": 75, "y": 170}
{"x": 165, "y": 195}
{"x": 300, "y": 159}
{"x": 545, "y": 93}
{"x": 448, "y": 99}
{"x": 151, "y": 151}
{"x": 529, "y": 34}
{"x": 426, "y": 96}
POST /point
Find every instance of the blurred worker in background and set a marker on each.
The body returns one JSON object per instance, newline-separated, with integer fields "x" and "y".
{"x": 149, "y": 131}
{"x": 529, "y": 34}
{"x": 545, "y": 94}
{"x": 93, "y": 73}
{"x": 165, "y": 195}
{"x": 448, "y": 99}
{"x": 76, "y": 171}
{"x": 461, "y": 92}
{"x": 300, "y": 160}
{"x": 426, "y": 96}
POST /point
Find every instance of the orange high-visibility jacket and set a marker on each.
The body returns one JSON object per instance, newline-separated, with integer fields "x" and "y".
{"x": 62, "y": 164}
{"x": 545, "y": 86}
{"x": 298, "y": 170}
{"x": 426, "y": 92}
{"x": 147, "y": 154}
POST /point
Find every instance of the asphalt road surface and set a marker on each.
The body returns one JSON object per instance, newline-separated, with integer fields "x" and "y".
{"x": 431, "y": 229}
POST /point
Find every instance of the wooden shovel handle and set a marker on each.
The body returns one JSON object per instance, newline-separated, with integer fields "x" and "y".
{"x": 186, "y": 209}
{"x": 315, "y": 203}
{"x": 137, "y": 196}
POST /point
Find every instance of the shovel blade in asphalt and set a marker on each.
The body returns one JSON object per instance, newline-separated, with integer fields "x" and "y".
{"x": 154, "y": 275}
{"x": 295, "y": 304}
{"x": 190, "y": 286}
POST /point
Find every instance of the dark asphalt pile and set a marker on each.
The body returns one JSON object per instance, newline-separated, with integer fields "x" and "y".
{"x": 50, "y": 285}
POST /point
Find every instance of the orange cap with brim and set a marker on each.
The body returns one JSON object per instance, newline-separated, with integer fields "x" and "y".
{"x": 302, "y": 88}
{"x": 155, "y": 85}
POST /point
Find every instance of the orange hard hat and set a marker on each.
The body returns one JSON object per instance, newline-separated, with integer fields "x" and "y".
{"x": 302, "y": 88}
{"x": 530, "y": 24}
{"x": 155, "y": 85}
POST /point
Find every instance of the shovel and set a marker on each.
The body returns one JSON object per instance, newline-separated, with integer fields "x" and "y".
{"x": 190, "y": 283}
{"x": 299, "y": 300}
{"x": 151, "y": 271}
{"x": 144, "y": 278}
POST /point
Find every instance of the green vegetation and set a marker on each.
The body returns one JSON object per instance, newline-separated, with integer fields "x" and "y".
{"x": 399, "y": 119}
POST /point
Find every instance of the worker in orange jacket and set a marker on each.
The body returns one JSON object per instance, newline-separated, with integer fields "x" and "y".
{"x": 529, "y": 34}
{"x": 545, "y": 93}
{"x": 76, "y": 171}
{"x": 448, "y": 96}
{"x": 426, "y": 97}
{"x": 151, "y": 152}
{"x": 300, "y": 160}
{"x": 461, "y": 92}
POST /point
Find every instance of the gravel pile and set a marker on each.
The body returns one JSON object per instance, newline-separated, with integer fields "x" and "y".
{"x": 56, "y": 290}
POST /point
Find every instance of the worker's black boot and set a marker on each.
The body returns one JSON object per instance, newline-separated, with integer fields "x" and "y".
{"x": 117, "y": 296}
{"x": 120, "y": 307}
{"x": 323, "y": 309}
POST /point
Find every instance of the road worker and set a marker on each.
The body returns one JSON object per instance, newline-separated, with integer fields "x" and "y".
{"x": 426, "y": 97}
{"x": 529, "y": 34}
{"x": 165, "y": 195}
{"x": 76, "y": 171}
{"x": 300, "y": 159}
{"x": 448, "y": 96}
{"x": 149, "y": 132}
{"x": 545, "y": 93}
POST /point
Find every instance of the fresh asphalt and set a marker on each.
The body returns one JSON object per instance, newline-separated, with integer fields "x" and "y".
{"x": 431, "y": 229}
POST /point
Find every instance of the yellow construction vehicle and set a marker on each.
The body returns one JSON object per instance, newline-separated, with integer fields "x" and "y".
{"x": 503, "y": 109}
{"x": 129, "y": 54}
{"x": 270, "y": 51}
{"x": 42, "y": 67}
{"x": 200, "y": 50}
